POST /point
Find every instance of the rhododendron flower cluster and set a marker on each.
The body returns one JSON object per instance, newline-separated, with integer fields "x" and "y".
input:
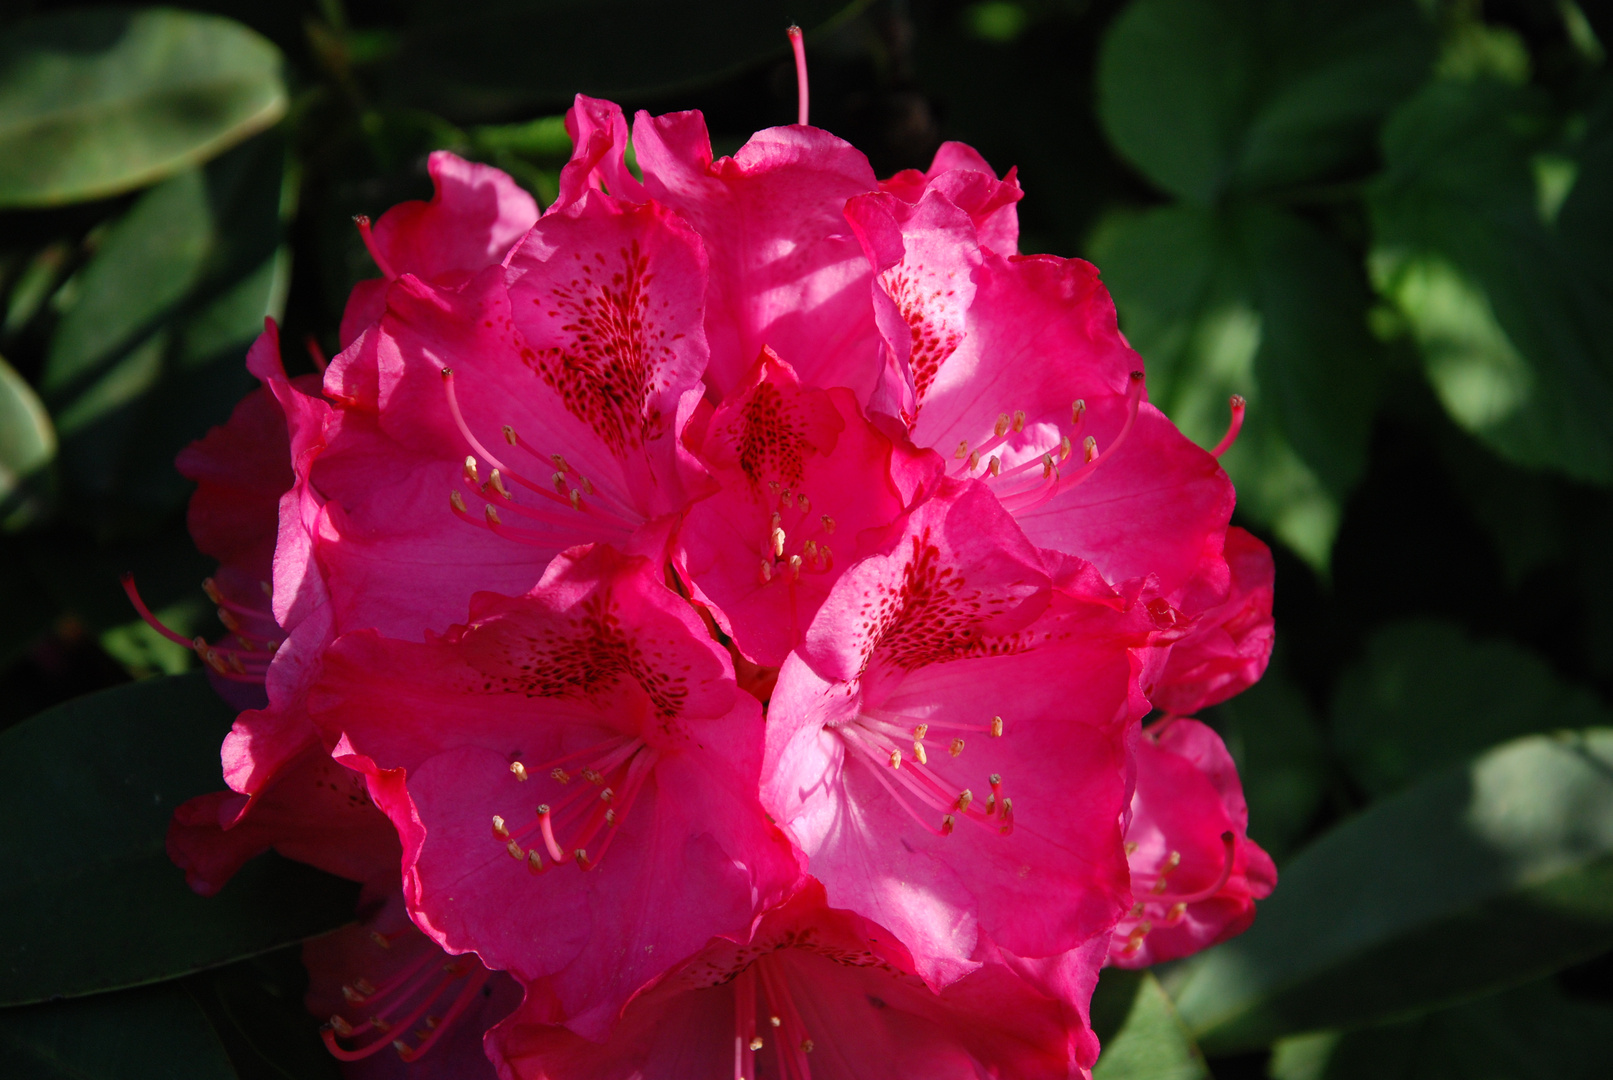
{"x": 717, "y": 615}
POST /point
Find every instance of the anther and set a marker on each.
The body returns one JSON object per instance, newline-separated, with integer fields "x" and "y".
{"x": 457, "y": 502}
{"x": 519, "y": 770}
{"x": 921, "y": 730}
{"x": 211, "y": 589}
{"x": 1047, "y": 466}
{"x": 380, "y": 939}
{"x": 534, "y": 861}
{"x": 962, "y": 451}
{"x": 340, "y": 1026}
{"x": 974, "y": 460}
{"x": 918, "y": 752}
{"x": 1019, "y": 419}
{"x": 766, "y": 573}
{"x": 558, "y": 479}
{"x": 947, "y": 824}
{"x": 490, "y": 512}
{"x": 756, "y": 1042}
{"x": 351, "y": 996}
{"x": 785, "y": 498}
{"x": 996, "y": 727}
{"x": 560, "y": 775}
{"x": 1065, "y": 448}
{"x": 778, "y": 542}
{"x": 517, "y": 852}
{"x": 965, "y": 797}
{"x": 795, "y": 568}
{"x": 593, "y": 777}
{"x": 804, "y": 503}
{"x": 995, "y": 467}
{"x": 471, "y": 476}
{"x": 1233, "y": 426}
{"x": 896, "y": 759}
{"x": 1131, "y": 848}
{"x": 1177, "y": 910}
{"x": 1077, "y": 410}
{"x": 576, "y": 499}
{"x": 956, "y": 748}
{"x": 509, "y": 435}
{"x": 1008, "y": 817}
{"x": 828, "y": 524}
{"x": 806, "y": 1046}
{"x": 607, "y": 795}
{"x": 364, "y": 986}
{"x": 496, "y": 482}
{"x": 775, "y": 1021}
{"x": 1000, "y": 428}
{"x": 499, "y": 830}
{"x": 1089, "y": 449}
{"x": 402, "y": 1048}
{"x": 227, "y": 617}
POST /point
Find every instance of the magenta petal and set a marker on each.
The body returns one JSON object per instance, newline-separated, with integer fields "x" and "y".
{"x": 786, "y": 272}
{"x": 1195, "y": 872}
{"x": 968, "y": 182}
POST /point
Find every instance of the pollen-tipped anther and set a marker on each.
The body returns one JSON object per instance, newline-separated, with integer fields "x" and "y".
{"x": 490, "y": 512}
{"x": 496, "y": 482}
{"x": 962, "y": 451}
{"x": 828, "y": 524}
{"x": 509, "y": 435}
{"x": 500, "y": 831}
{"x": 996, "y": 727}
{"x": 778, "y": 538}
{"x": 995, "y": 466}
{"x": 919, "y": 754}
{"x": 947, "y": 824}
{"x": 1089, "y": 449}
{"x": 896, "y": 759}
{"x": 956, "y": 748}
{"x": 471, "y": 476}
{"x": 457, "y": 502}
{"x": 518, "y": 770}
{"x": 1000, "y": 428}
{"x": 1019, "y": 419}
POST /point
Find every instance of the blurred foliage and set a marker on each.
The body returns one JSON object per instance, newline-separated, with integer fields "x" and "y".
{"x": 1388, "y": 224}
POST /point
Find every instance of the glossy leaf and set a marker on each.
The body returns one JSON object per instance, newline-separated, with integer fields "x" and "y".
{"x": 100, "y": 101}
{"x": 1501, "y": 282}
{"x": 27, "y": 445}
{"x": 485, "y": 56}
{"x": 256, "y": 1007}
{"x": 1427, "y": 695}
{"x": 92, "y": 902}
{"x": 1482, "y": 876}
{"x": 1534, "y": 1031}
{"x": 1143, "y": 1038}
{"x": 1254, "y": 95}
{"x": 149, "y": 355}
{"x": 153, "y": 1033}
{"x": 1253, "y": 301}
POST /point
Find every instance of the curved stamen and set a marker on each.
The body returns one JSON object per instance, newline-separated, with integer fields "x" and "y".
{"x": 1229, "y": 850}
{"x": 363, "y": 223}
{"x": 467, "y": 994}
{"x": 798, "y": 45}
{"x": 1234, "y": 426}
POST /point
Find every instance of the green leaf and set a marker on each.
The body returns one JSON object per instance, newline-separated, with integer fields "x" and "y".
{"x": 155, "y": 1032}
{"x": 478, "y": 57}
{"x": 1143, "y": 1038}
{"x": 1275, "y": 739}
{"x": 101, "y": 101}
{"x": 1427, "y": 695}
{"x": 1512, "y": 310}
{"x": 1209, "y": 97}
{"x": 1535, "y": 1032}
{"x": 149, "y": 355}
{"x": 27, "y": 445}
{"x": 1483, "y": 876}
{"x": 1251, "y": 300}
{"x": 257, "y": 1009}
{"x": 92, "y": 902}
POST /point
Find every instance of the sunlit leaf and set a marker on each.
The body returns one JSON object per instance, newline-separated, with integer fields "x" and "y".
{"x": 153, "y": 1033}
{"x": 1143, "y": 1038}
{"x": 100, "y": 101}
{"x": 1485, "y": 875}
{"x": 1253, "y": 301}
{"x": 1426, "y": 695}
{"x": 27, "y": 445}
{"x": 92, "y": 902}
{"x": 1512, "y": 311}
{"x": 1209, "y": 97}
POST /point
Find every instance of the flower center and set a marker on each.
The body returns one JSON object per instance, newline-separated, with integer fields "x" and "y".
{"x": 796, "y": 541}
{"x": 404, "y": 1000}
{"x": 241, "y": 656}
{"x": 764, "y": 1015}
{"x": 570, "y": 502}
{"x": 1043, "y": 472}
{"x": 896, "y": 752}
{"x": 1154, "y": 888}
{"x": 608, "y": 777}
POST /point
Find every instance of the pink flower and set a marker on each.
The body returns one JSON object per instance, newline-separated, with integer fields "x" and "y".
{"x": 948, "y": 746}
{"x": 821, "y": 993}
{"x": 385, "y": 986}
{"x": 1195, "y": 874}
{"x": 593, "y": 731}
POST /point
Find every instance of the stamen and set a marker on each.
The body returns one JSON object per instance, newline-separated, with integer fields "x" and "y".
{"x": 315, "y": 353}
{"x": 519, "y": 771}
{"x": 798, "y": 46}
{"x": 962, "y": 450}
{"x": 956, "y": 748}
{"x": 363, "y": 223}
{"x": 1234, "y": 426}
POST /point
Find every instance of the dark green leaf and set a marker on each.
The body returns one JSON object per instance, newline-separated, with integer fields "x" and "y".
{"x": 1143, "y": 1038}
{"x": 101, "y": 101}
{"x": 153, "y": 1033}
{"x": 1502, "y": 283}
{"x": 256, "y": 1007}
{"x": 1208, "y": 97}
{"x": 1275, "y": 739}
{"x": 1427, "y": 695}
{"x": 1532, "y": 1033}
{"x": 27, "y": 445}
{"x": 1253, "y": 301}
{"x": 1483, "y": 876}
{"x": 475, "y": 57}
{"x": 92, "y": 902}
{"x": 149, "y": 355}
